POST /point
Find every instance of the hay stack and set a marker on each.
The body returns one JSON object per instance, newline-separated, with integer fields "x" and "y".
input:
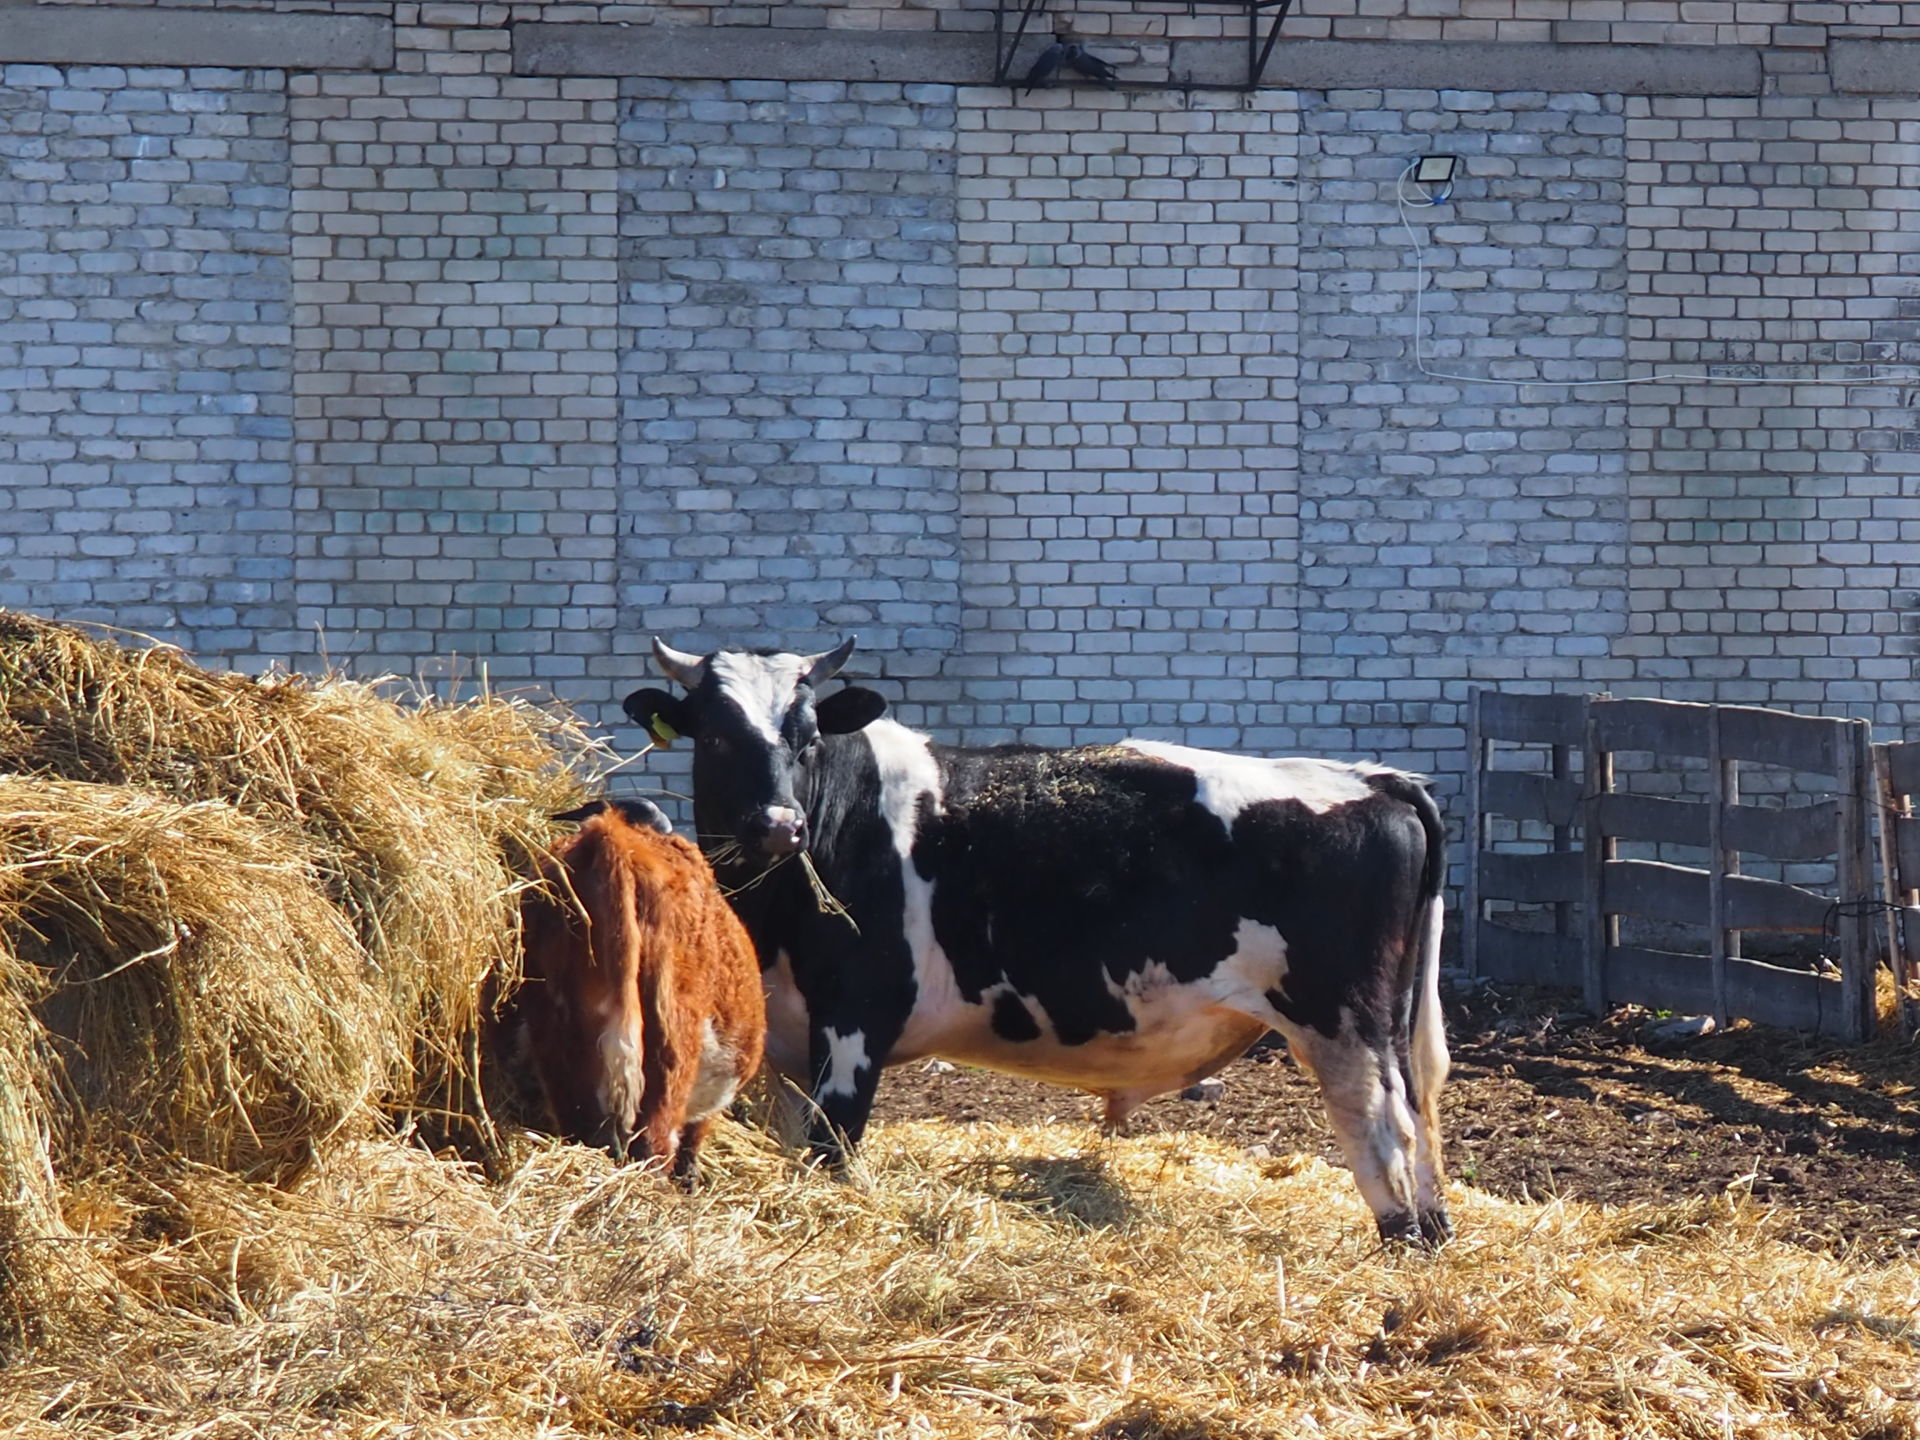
{"x": 240, "y": 916}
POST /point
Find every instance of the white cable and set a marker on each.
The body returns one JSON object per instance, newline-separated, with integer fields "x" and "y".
{"x": 1420, "y": 326}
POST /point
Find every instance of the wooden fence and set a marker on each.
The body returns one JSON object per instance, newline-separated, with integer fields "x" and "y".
{"x": 1897, "y": 772}
{"x": 1579, "y": 893}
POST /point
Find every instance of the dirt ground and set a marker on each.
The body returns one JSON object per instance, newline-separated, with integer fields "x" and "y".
{"x": 1546, "y": 1101}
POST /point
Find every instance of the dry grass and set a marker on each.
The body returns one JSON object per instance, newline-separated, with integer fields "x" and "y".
{"x": 973, "y": 1281}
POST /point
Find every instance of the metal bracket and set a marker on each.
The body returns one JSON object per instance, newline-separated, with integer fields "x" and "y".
{"x": 1007, "y": 37}
{"x": 1003, "y": 49}
{"x": 1257, "y": 62}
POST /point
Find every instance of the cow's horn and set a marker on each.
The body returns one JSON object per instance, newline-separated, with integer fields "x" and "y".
{"x": 824, "y": 667}
{"x": 678, "y": 665}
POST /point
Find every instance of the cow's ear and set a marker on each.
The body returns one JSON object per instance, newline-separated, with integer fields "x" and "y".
{"x": 848, "y": 710}
{"x": 663, "y": 716}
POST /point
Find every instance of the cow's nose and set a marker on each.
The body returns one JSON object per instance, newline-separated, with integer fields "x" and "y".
{"x": 786, "y": 831}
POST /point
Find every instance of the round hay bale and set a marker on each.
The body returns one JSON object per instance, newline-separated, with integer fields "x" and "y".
{"x": 196, "y": 995}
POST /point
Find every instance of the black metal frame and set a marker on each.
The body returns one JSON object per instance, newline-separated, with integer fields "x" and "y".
{"x": 1259, "y": 49}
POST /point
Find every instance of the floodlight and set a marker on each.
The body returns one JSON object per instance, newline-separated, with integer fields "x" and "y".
{"x": 1434, "y": 169}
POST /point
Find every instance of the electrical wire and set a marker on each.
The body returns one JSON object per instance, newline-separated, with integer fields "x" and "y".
{"x": 1427, "y": 202}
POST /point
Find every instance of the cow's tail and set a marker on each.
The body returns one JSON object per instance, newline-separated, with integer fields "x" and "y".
{"x": 662, "y": 903}
{"x": 1427, "y": 1039}
{"x": 606, "y": 893}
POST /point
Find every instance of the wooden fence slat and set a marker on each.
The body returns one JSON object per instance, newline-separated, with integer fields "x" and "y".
{"x": 1659, "y": 979}
{"x": 1676, "y": 893}
{"x": 1524, "y": 795}
{"x": 1646, "y": 817}
{"x": 1905, "y": 832}
{"x": 1850, "y": 878}
{"x": 1527, "y": 957}
{"x": 1811, "y": 743}
{"x": 1474, "y": 830}
{"x": 1806, "y": 832}
{"x": 1792, "y": 999}
{"x": 1903, "y": 766}
{"x": 1723, "y": 776}
{"x": 1598, "y": 929}
{"x": 1908, "y": 920}
{"x": 1756, "y": 904}
{"x": 1666, "y": 727}
{"x": 1532, "y": 879}
{"x": 1766, "y": 737}
{"x": 1533, "y": 719}
{"x": 1899, "y": 878}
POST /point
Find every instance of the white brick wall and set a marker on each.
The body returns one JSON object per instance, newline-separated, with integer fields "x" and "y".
{"x": 145, "y": 416}
{"x": 1460, "y": 527}
{"x": 790, "y": 392}
{"x": 1091, "y": 413}
{"x": 1772, "y": 523}
{"x": 456, "y": 308}
{"x": 1129, "y": 334}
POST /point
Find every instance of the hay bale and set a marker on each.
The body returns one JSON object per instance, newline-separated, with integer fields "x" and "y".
{"x": 198, "y": 994}
{"x": 422, "y": 814}
{"x": 239, "y": 918}
{"x": 174, "y": 988}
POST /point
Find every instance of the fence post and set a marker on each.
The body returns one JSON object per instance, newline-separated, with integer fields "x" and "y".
{"x": 1890, "y": 809}
{"x": 1596, "y": 850}
{"x": 1720, "y": 781}
{"x": 1856, "y": 955}
{"x": 1470, "y": 905}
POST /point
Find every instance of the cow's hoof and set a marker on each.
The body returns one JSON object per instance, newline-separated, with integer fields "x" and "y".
{"x": 1435, "y": 1228}
{"x": 1398, "y": 1229}
{"x": 830, "y": 1158}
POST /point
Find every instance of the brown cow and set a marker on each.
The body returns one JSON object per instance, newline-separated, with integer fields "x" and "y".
{"x": 642, "y": 998}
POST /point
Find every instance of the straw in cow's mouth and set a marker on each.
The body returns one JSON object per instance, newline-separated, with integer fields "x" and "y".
{"x": 823, "y": 897}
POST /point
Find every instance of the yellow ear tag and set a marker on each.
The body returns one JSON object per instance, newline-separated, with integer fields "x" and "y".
{"x": 662, "y": 732}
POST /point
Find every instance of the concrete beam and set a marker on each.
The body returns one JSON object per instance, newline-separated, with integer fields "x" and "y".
{"x": 1474, "y": 65}
{"x": 1874, "y": 67}
{"x": 700, "y": 52}
{"x": 240, "y": 40}
{"x": 725, "y": 53}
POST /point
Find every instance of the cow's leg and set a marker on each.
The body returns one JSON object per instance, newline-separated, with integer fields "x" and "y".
{"x": 1366, "y": 1099}
{"x": 673, "y": 1068}
{"x": 847, "y": 1060}
{"x": 686, "y": 1160}
{"x": 1426, "y": 1073}
{"x": 1120, "y": 1107}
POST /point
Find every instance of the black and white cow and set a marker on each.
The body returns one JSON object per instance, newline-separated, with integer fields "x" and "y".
{"x": 1123, "y": 918}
